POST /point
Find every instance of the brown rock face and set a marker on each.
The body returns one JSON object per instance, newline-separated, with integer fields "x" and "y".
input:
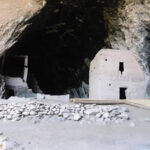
{"x": 14, "y": 16}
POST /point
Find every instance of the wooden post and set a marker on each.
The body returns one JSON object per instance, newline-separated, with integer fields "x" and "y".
{"x": 25, "y": 74}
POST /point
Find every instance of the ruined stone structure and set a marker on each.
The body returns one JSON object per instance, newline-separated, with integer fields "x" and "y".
{"x": 116, "y": 74}
{"x": 16, "y": 76}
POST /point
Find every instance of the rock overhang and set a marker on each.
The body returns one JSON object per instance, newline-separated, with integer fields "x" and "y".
{"x": 14, "y": 17}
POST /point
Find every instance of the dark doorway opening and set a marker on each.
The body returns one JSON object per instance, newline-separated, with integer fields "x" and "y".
{"x": 123, "y": 93}
{"x": 10, "y": 93}
{"x": 13, "y": 66}
{"x": 121, "y": 67}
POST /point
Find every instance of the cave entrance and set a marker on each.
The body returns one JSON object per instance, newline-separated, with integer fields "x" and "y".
{"x": 122, "y": 93}
{"x": 60, "y": 43}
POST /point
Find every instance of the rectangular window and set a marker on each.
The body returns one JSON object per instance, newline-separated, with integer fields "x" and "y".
{"x": 121, "y": 67}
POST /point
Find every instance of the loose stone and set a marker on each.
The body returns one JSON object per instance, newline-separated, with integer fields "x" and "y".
{"x": 77, "y": 117}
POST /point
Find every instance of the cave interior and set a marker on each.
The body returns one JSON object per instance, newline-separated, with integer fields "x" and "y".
{"x": 60, "y": 43}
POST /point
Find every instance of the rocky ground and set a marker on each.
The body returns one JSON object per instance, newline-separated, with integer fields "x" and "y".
{"x": 33, "y": 124}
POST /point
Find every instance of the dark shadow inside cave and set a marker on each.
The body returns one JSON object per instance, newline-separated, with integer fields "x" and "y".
{"x": 60, "y": 44}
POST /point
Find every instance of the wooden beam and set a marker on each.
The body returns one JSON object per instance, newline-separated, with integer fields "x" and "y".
{"x": 101, "y": 102}
{"x": 137, "y": 105}
{"x": 110, "y": 102}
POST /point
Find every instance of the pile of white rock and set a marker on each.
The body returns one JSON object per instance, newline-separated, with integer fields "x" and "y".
{"x": 75, "y": 112}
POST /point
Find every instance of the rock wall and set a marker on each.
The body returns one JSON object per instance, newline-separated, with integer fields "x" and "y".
{"x": 14, "y": 16}
{"x": 128, "y": 26}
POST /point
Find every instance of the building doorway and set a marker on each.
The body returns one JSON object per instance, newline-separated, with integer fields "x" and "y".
{"x": 122, "y": 93}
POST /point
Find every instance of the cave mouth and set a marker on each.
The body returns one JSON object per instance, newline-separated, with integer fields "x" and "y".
{"x": 60, "y": 44}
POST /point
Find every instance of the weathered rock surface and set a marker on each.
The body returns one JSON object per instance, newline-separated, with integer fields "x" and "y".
{"x": 14, "y": 16}
{"x": 128, "y": 27}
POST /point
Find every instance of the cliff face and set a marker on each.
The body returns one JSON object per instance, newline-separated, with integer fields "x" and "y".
{"x": 14, "y": 16}
{"x": 128, "y": 27}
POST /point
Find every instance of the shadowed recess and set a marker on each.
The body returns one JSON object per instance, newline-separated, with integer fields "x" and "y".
{"x": 61, "y": 42}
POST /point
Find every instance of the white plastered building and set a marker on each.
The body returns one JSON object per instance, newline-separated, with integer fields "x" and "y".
{"x": 116, "y": 74}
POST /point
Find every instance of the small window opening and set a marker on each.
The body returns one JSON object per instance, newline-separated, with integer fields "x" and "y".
{"x": 121, "y": 67}
{"x": 123, "y": 93}
{"x": 105, "y": 59}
